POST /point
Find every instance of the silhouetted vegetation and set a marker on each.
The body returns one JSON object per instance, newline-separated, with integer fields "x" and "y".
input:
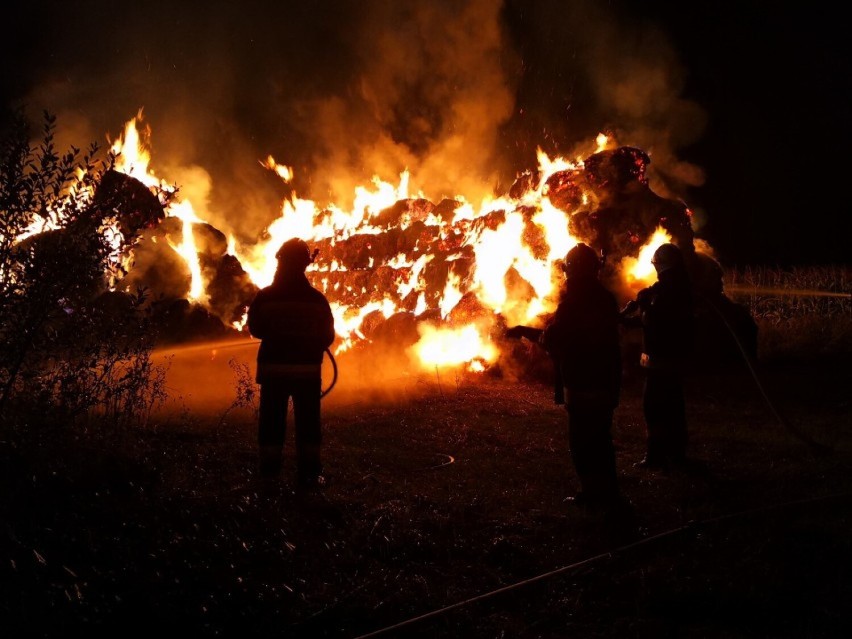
{"x": 70, "y": 347}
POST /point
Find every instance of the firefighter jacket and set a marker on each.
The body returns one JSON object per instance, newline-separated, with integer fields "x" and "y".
{"x": 583, "y": 339}
{"x": 666, "y": 313}
{"x": 294, "y": 323}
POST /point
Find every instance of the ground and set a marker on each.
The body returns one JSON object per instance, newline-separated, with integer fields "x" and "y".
{"x": 445, "y": 516}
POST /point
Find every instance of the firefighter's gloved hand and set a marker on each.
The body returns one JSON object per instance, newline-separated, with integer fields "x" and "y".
{"x": 628, "y": 316}
{"x": 630, "y": 308}
{"x": 515, "y": 332}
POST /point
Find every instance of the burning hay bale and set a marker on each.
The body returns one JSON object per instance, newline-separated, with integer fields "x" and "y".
{"x": 410, "y": 269}
{"x": 134, "y": 206}
{"x": 404, "y": 213}
{"x": 612, "y": 206}
{"x": 81, "y": 253}
{"x": 156, "y": 266}
{"x": 418, "y": 252}
{"x": 180, "y": 321}
{"x": 230, "y": 289}
{"x": 399, "y": 264}
{"x": 398, "y": 331}
{"x": 159, "y": 268}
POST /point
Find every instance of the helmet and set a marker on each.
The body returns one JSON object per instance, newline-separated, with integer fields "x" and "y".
{"x": 666, "y": 257}
{"x": 581, "y": 261}
{"x": 294, "y": 254}
{"x": 708, "y": 275}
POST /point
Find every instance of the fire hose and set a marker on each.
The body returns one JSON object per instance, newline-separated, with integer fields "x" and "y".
{"x": 334, "y": 374}
{"x": 695, "y": 527}
{"x": 333, "y": 368}
{"x": 241, "y": 343}
{"x": 815, "y": 446}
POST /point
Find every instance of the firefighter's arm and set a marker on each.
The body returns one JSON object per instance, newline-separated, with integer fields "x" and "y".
{"x": 328, "y": 333}
{"x": 629, "y": 315}
{"x": 256, "y": 320}
{"x": 517, "y": 332}
{"x": 630, "y": 308}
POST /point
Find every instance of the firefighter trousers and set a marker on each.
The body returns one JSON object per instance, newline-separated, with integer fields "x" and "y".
{"x": 665, "y": 416}
{"x": 274, "y": 401}
{"x": 590, "y": 440}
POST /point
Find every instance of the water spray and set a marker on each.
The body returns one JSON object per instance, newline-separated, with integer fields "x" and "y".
{"x": 214, "y": 347}
{"x": 795, "y": 292}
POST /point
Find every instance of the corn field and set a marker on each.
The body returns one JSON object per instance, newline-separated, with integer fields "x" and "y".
{"x": 798, "y": 310}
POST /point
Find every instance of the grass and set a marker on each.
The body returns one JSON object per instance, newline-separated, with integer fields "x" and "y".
{"x": 445, "y": 487}
{"x": 449, "y": 488}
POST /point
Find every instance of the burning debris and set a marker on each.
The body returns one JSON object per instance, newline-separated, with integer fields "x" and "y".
{"x": 441, "y": 279}
{"x": 613, "y": 208}
{"x": 133, "y": 205}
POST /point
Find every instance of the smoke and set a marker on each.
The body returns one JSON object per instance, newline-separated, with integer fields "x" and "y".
{"x": 639, "y": 79}
{"x": 458, "y": 93}
{"x": 593, "y": 67}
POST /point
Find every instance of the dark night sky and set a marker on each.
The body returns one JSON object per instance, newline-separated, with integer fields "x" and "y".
{"x": 775, "y": 80}
{"x": 743, "y": 106}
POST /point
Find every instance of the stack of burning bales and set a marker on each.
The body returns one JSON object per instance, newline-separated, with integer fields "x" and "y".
{"x": 415, "y": 247}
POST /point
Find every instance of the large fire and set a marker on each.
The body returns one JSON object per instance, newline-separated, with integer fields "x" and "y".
{"x": 458, "y": 269}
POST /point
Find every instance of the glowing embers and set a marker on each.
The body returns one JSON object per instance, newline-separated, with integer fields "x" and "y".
{"x": 440, "y": 273}
{"x": 444, "y": 347}
{"x": 639, "y": 270}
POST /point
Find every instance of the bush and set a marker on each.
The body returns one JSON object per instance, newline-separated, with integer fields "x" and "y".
{"x": 70, "y": 346}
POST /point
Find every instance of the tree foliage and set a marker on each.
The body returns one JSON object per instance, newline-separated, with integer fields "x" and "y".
{"x": 70, "y": 345}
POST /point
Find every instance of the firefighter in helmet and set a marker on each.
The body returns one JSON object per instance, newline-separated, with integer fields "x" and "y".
{"x": 664, "y": 311}
{"x": 293, "y": 320}
{"x": 582, "y": 338}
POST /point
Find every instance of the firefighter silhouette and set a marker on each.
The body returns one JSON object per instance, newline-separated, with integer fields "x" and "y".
{"x": 294, "y": 323}
{"x": 725, "y": 331}
{"x": 665, "y": 313}
{"x": 582, "y": 338}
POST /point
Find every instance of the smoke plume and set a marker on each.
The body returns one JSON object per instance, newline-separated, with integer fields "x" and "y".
{"x": 458, "y": 93}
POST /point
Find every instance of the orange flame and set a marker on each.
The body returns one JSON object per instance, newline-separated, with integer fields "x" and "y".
{"x": 639, "y": 270}
{"x": 451, "y": 347}
{"x": 498, "y": 249}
